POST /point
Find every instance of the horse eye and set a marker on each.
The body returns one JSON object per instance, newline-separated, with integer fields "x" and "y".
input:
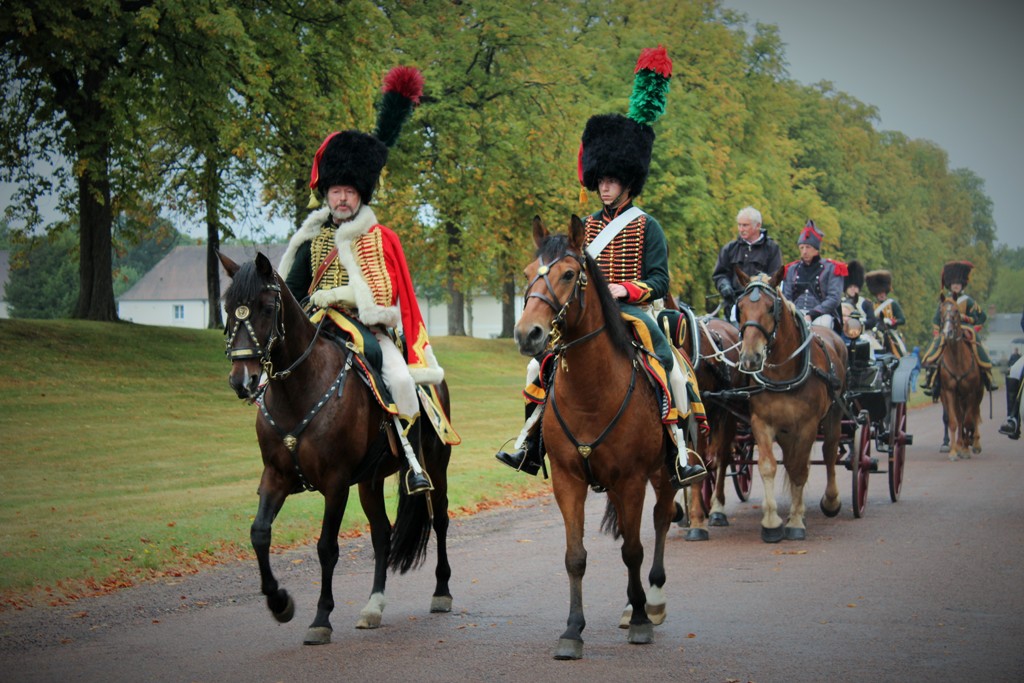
{"x": 569, "y": 275}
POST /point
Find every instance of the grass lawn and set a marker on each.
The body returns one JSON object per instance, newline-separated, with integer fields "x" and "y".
{"x": 125, "y": 454}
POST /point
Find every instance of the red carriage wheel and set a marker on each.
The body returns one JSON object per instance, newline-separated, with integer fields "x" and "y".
{"x": 897, "y": 448}
{"x": 741, "y": 470}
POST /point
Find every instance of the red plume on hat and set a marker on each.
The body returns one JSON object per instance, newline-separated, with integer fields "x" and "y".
{"x": 354, "y": 158}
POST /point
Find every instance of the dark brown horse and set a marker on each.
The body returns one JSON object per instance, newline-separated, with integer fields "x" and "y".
{"x": 601, "y": 426}
{"x": 319, "y": 428}
{"x": 960, "y": 382}
{"x": 712, "y": 347}
{"x": 800, "y": 375}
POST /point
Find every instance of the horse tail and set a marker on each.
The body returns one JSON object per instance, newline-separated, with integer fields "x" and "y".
{"x": 610, "y": 522}
{"x": 410, "y": 534}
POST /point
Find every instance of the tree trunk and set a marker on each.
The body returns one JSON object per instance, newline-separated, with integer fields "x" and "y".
{"x": 211, "y": 187}
{"x": 457, "y": 302}
{"x": 508, "y": 307}
{"x": 96, "y": 218}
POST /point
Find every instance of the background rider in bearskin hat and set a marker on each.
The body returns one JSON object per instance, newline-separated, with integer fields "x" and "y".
{"x": 955, "y": 276}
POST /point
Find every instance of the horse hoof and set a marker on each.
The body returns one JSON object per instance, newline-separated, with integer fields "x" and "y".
{"x": 953, "y": 457}
{"x": 368, "y": 620}
{"x": 287, "y": 612}
{"x": 718, "y": 519}
{"x": 441, "y": 603}
{"x": 944, "y": 448}
{"x": 641, "y": 634}
{"x": 627, "y": 614}
{"x": 795, "y": 534}
{"x": 830, "y": 513}
{"x": 656, "y": 613}
{"x": 317, "y": 635}
{"x": 772, "y": 535}
{"x": 697, "y": 535}
{"x": 569, "y": 649}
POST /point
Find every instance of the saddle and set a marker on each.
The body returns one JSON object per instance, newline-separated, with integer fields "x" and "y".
{"x": 368, "y": 360}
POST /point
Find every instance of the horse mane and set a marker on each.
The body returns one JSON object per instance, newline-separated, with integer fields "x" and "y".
{"x": 555, "y": 246}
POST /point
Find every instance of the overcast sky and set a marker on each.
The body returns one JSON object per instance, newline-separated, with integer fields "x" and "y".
{"x": 950, "y": 71}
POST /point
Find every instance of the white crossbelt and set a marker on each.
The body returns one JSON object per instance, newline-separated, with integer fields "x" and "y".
{"x": 611, "y": 230}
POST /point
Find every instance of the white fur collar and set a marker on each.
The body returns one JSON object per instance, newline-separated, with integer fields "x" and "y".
{"x": 363, "y": 221}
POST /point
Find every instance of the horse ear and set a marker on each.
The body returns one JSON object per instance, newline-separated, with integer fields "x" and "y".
{"x": 229, "y": 266}
{"x": 540, "y": 233}
{"x": 741, "y": 277}
{"x": 778, "y": 277}
{"x": 577, "y": 233}
{"x": 263, "y": 266}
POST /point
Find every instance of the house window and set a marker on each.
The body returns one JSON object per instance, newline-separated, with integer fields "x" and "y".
{"x": 179, "y": 311}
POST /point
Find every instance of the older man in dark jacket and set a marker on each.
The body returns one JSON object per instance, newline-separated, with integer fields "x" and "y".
{"x": 752, "y": 250}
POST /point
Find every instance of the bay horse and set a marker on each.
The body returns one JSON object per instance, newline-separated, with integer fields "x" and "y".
{"x": 601, "y": 425}
{"x": 799, "y": 375}
{"x": 960, "y": 383}
{"x": 319, "y": 428}
{"x": 712, "y": 347}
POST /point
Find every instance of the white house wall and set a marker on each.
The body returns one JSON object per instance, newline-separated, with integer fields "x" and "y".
{"x": 196, "y": 313}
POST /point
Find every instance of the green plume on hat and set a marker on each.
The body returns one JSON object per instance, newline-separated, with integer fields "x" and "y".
{"x": 650, "y": 85}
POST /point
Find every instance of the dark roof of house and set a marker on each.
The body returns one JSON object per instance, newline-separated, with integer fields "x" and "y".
{"x": 181, "y": 275}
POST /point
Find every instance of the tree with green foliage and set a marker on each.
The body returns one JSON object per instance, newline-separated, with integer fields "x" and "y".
{"x": 42, "y": 282}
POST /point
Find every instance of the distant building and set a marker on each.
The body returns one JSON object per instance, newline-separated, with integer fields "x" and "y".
{"x": 1003, "y": 334}
{"x": 174, "y": 294}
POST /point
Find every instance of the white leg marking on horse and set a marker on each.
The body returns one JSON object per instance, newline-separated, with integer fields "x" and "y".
{"x": 656, "y": 604}
{"x": 371, "y": 614}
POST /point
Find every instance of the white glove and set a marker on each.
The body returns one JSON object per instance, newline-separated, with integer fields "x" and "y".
{"x": 343, "y": 295}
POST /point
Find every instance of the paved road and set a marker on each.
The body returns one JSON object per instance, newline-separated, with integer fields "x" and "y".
{"x": 929, "y": 588}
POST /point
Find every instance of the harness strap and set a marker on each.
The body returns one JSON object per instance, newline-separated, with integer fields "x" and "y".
{"x": 291, "y": 439}
{"x": 586, "y": 449}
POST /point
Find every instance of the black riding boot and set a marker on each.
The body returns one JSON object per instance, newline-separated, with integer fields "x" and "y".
{"x": 928, "y": 382}
{"x": 527, "y": 459}
{"x": 413, "y": 482}
{"x": 1011, "y": 427}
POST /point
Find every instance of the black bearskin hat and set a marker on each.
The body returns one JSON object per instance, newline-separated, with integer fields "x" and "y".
{"x": 616, "y": 146}
{"x": 357, "y": 159}
{"x": 351, "y": 158}
{"x": 956, "y": 272}
{"x": 879, "y": 282}
{"x": 619, "y": 146}
{"x": 854, "y": 274}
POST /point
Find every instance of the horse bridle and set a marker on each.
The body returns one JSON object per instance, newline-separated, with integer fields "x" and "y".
{"x": 561, "y": 309}
{"x": 946, "y": 320}
{"x": 260, "y": 351}
{"x": 753, "y": 290}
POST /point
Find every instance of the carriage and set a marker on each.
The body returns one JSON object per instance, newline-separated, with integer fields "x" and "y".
{"x": 873, "y": 428}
